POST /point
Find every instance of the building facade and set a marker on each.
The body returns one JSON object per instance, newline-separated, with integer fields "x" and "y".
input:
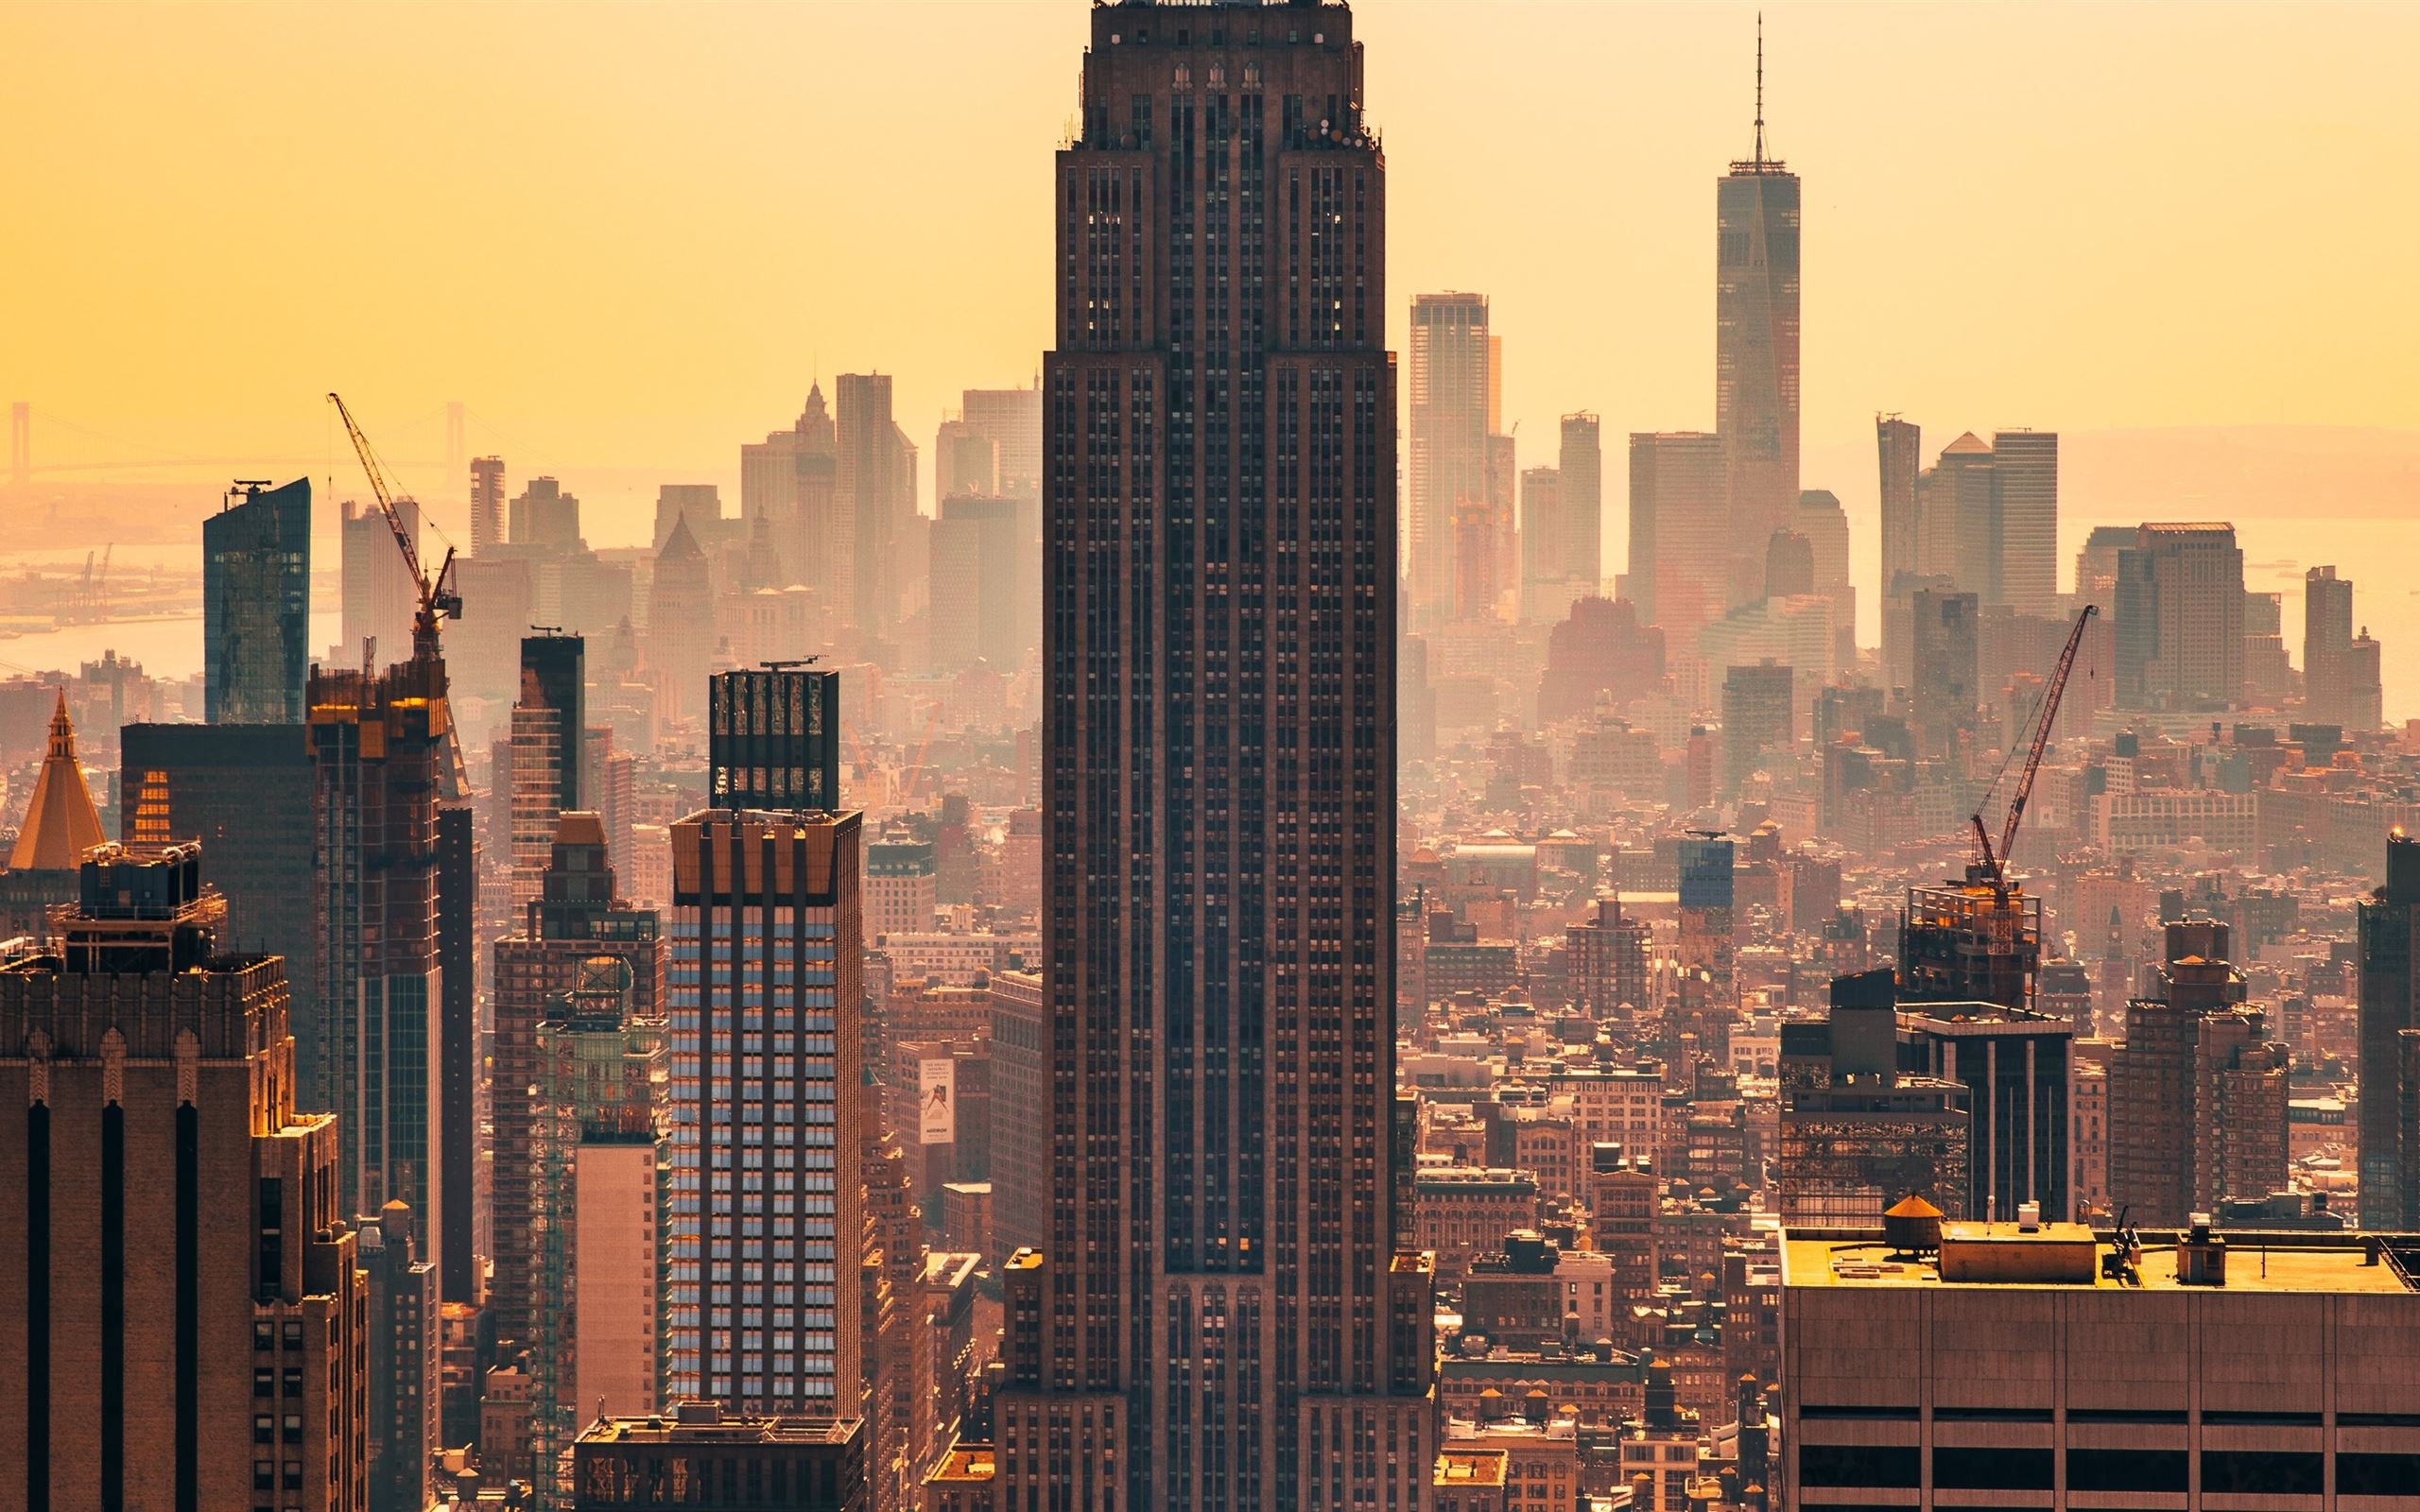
{"x": 764, "y": 988}
{"x": 256, "y": 606}
{"x": 1223, "y": 1315}
{"x": 181, "y": 1300}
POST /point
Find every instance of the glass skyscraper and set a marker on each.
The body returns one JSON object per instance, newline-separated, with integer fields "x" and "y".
{"x": 1756, "y": 347}
{"x": 256, "y": 605}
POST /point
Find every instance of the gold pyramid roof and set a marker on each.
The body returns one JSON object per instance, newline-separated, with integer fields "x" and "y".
{"x": 61, "y": 822}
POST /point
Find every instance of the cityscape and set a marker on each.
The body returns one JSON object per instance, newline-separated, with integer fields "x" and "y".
{"x": 1214, "y": 926}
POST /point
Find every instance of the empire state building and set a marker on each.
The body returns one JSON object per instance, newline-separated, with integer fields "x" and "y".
{"x": 1222, "y": 1317}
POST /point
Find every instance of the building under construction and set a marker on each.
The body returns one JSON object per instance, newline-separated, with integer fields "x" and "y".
{"x": 1970, "y": 942}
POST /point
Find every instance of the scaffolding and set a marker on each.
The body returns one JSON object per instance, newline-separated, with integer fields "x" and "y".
{"x": 1970, "y": 943}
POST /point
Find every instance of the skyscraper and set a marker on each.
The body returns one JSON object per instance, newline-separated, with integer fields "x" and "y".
{"x": 487, "y": 505}
{"x": 1898, "y": 445}
{"x": 2180, "y": 618}
{"x": 256, "y": 606}
{"x": 381, "y": 757}
{"x": 1449, "y": 430}
{"x": 978, "y": 589}
{"x": 575, "y": 919}
{"x": 402, "y": 1395}
{"x": 2025, "y": 511}
{"x": 179, "y": 1296}
{"x": 1544, "y": 596}
{"x": 1223, "y": 1315}
{"x": 1679, "y": 536}
{"x": 680, "y": 624}
{"x": 765, "y": 1095}
{"x": 2339, "y": 669}
{"x": 599, "y": 1217}
{"x": 1755, "y": 340}
{"x": 549, "y": 722}
{"x": 1942, "y": 695}
{"x": 2390, "y": 1011}
{"x": 877, "y": 491}
{"x": 378, "y": 597}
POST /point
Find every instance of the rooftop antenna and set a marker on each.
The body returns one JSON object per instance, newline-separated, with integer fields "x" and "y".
{"x": 1760, "y": 88}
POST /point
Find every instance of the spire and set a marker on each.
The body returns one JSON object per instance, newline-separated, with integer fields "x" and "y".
{"x": 1760, "y": 88}
{"x": 61, "y": 822}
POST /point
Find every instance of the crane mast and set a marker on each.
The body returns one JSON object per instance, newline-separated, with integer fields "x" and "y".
{"x": 437, "y": 598}
{"x": 1994, "y": 869}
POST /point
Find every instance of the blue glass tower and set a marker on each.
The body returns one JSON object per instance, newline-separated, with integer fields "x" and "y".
{"x": 256, "y": 605}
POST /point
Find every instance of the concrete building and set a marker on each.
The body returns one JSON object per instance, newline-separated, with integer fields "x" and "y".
{"x": 403, "y": 1397}
{"x": 902, "y": 886}
{"x": 487, "y": 505}
{"x": 1759, "y": 714}
{"x": 2388, "y": 931}
{"x": 377, "y": 597}
{"x": 180, "y": 1302}
{"x": 2007, "y": 1369}
{"x": 1447, "y": 435}
{"x": 576, "y": 919}
{"x": 2179, "y": 619}
{"x": 599, "y": 1212}
{"x": 2340, "y": 671}
{"x": 1679, "y": 533}
{"x": 2198, "y": 1091}
{"x": 681, "y": 625}
{"x": 1899, "y": 448}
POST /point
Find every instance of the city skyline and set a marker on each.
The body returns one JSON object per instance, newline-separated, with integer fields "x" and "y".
{"x": 1610, "y": 318}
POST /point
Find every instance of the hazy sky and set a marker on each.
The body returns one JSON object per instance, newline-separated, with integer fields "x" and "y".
{"x": 628, "y": 236}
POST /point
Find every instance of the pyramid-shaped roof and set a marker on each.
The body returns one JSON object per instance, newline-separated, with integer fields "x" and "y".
{"x": 1966, "y": 445}
{"x": 61, "y": 822}
{"x": 680, "y": 543}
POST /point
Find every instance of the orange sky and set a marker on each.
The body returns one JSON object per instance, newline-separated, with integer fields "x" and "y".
{"x": 627, "y": 235}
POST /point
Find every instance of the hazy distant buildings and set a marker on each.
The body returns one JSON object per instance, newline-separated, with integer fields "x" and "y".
{"x": 487, "y": 505}
{"x": 184, "y": 1327}
{"x": 1943, "y": 696}
{"x": 2179, "y": 619}
{"x": 875, "y": 483}
{"x": 2024, "y": 520}
{"x": 1449, "y": 363}
{"x": 790, "y": 490}
{"x": 978, "y": 591}
{"x": 1898, "y": 445}
{"x": 679, "y": 625}
{"x": 1755, "y": 347}
{"x": 379, "y": 598}
{"x": 256, "y": 605}
{"x": 1757, "y": 713}
{"x": 1679, "y": 533}
{"x": 2339, "y": 669}
{"x": 1224, "y": 1313}
{"x": 1563, "y": 525}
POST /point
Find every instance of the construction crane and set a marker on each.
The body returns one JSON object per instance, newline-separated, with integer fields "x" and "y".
{"x": 437, "y": 598}
{"x": 1992, "y": 867}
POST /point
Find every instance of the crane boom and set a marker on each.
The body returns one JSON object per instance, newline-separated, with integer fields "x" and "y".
{"x": 437, "y": 595}
{"x": 1995, "y": 865}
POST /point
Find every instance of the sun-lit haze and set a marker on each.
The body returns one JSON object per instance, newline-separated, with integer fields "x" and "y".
{"x": 627, "y": 237}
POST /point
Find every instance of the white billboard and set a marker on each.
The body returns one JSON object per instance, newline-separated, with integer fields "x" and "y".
{"x": 936, "y": 1101}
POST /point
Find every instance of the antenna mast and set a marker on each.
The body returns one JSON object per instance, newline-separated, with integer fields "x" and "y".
{"x": 1760, "y": 88}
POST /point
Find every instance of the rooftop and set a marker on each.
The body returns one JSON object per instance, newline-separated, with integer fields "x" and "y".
{"x": 2258, "y": 1262}
{"x": 964, "y": 1464}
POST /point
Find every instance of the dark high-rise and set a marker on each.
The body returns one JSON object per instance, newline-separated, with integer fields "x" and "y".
{"x": 1222, "y": 1316}
{"x": 549, "y": 721}
{"x": 774, "y": 738}
{"x": 2390, "y": 1007}
{"x": 1756, "y": 338}
{"x": 382, "y": 756}
{"x": 256, "y": 605}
